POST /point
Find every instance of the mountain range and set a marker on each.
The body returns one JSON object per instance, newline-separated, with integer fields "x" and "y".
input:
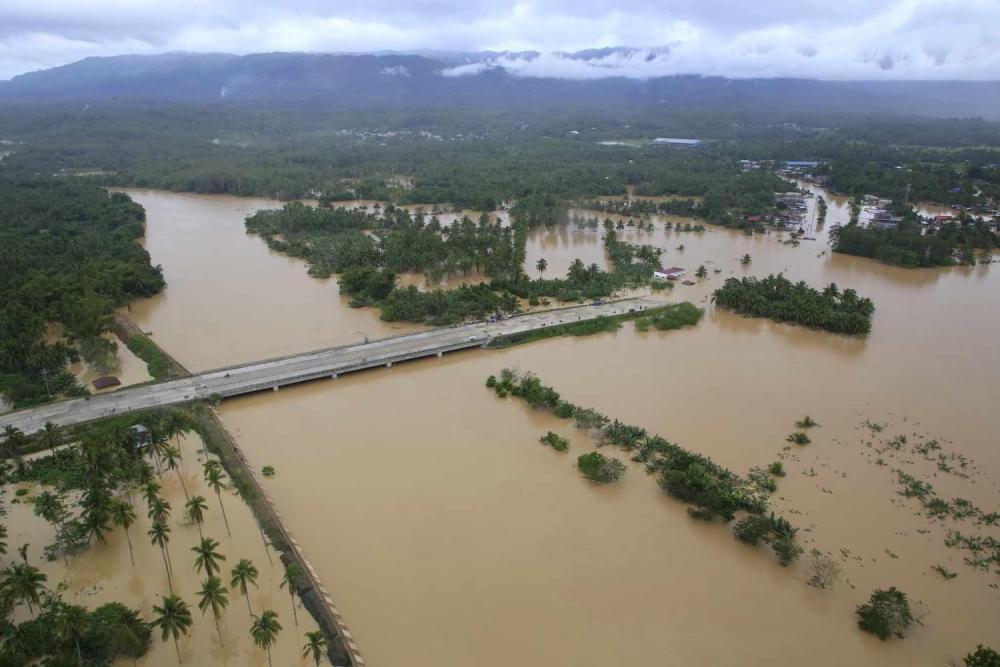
{"x": 501, "y": 80}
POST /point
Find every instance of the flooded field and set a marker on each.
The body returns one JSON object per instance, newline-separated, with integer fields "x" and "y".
{"x": 448, "y": 535}
{"x": 103, "y": 573}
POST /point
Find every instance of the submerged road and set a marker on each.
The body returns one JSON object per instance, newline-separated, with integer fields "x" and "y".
{"x": 328, "y": 363}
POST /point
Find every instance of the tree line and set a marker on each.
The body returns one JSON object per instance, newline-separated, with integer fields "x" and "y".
{"x": 779, "y": 299}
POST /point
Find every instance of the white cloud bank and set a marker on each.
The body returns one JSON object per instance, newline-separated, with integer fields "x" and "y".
{"x": 850, "y": 39}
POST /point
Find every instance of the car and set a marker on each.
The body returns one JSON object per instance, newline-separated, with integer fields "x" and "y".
{"x": 597, "y": 302}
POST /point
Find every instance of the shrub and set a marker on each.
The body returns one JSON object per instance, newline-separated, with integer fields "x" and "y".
{"x": 983, "y": 656}
{"x": 491, "y": 381}
{"x": 777, "y": 469}
{"x": 887, "y": 613}
{"x": 600, "y": 469}
{"x": 752, "y": 529}
{"x": 785, "y": 548}
{"x": 799, "y": 438}
{"x": 554, "y": 440}
{"x": 823, "y": 570}
{"x": 267, "y": 471}
{"x": 564, "y": 410}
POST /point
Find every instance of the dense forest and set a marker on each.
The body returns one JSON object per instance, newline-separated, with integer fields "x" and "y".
{"x": 907, "y": 246}
{"x": 68, "y": 254}
{"x": 780, "y": 299}
{"x": 479, "y": 158}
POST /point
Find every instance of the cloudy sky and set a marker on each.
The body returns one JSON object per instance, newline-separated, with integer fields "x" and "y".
{"x": 830, "y": 39}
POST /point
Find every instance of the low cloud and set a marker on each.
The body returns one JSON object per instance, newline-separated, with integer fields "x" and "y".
{"x": 849, "y": 39}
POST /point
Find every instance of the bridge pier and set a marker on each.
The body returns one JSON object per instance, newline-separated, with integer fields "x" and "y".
{"x": 440, "y": 353}
{"x": 388, "y": 364}
{"x": 333, "y": 376}
{"x": 274, "y": 388}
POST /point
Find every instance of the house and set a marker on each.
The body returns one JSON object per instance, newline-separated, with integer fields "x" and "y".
{"x": 673, "y": 273}
{"x": 106, "y": 382}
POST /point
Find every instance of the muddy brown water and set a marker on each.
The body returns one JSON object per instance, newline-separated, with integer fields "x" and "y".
{"x": 448, "y": 535}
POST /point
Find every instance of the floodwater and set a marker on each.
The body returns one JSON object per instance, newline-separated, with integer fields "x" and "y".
{"x": 229, "y": 298}
{"x": 103, "y": 573}
{"x": 448, "y": 535}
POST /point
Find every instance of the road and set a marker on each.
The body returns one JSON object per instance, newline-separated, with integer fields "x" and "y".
{"x": 274, "y": 373}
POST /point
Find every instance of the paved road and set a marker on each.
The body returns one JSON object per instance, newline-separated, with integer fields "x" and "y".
{"x": 272, "y": 373}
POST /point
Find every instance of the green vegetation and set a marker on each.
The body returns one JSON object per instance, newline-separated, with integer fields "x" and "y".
{"x": 267, "y": 471}
{"x": 157, "y": 363}
{"x": 907, "y": 246}
{"x": 757, "y": 528}
{"x": 711, "y": 490}
{"x": 983, "y": 656}
{"x": 777, "y": 469}
{"x": 806, "y": 422}
{"x": 599, "y": 468}
{"x": 67, "y": 634}
{"x": 670, "y": 317}
{"x": 886, "y": 614}
{"x": 799, "y": 438}
{"x": 779, "y": 299}
{"x": 68, "y": 254}
{"x": 554, "y": 440}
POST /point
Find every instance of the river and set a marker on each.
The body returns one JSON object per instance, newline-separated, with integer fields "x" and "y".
{"x": 448, "y": 535}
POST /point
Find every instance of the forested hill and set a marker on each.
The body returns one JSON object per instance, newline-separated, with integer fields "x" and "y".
{"x": 407, "y": 82}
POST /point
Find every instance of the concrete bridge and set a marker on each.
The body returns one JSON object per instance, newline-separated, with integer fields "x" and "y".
{"x": 329, "y": 363}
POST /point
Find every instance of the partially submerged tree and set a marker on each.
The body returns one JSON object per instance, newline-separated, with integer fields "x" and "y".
{"x": 887, "y": 613}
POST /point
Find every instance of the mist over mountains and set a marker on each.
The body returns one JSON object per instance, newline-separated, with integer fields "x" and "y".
{"x": 596, "y": 78}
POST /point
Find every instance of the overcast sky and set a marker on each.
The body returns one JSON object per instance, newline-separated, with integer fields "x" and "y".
{"x": 831, "y": 39}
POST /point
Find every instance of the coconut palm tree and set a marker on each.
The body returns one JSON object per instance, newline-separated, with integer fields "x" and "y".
{"x": 213, "y": 595}
{"x": 157, "y": 447}
{"x": 172, "y": 458}
{"x": 51, "y": 507}
{"x": 541, "y": 265}
{"x": 215, "y": 480}
{"x": 123, "y": 515}
{"x": 159, "y": 510}
{"x": 48, "y": 437}
{"x": 72, "y": 623}
{"x": 151, "y": 491}
{"x": 173, "y": 618}
{"x": 248, "y": 493}
{"x": 292, "y": 579}
{"x": 243, "y": 573}
{"x": 315, "y": 646}
{"x": 159, "y": 534}
{"x": 13, "y": 440}
{"x": 23, "y": 583}
{"x": 196, "y": 507}
{"x": 264, "y": 631}
{"x": 208, "y": 558}
{"x": 745, "y": 260}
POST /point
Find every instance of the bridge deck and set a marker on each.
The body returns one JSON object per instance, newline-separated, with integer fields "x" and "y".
{"x": 273, "y": 373}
